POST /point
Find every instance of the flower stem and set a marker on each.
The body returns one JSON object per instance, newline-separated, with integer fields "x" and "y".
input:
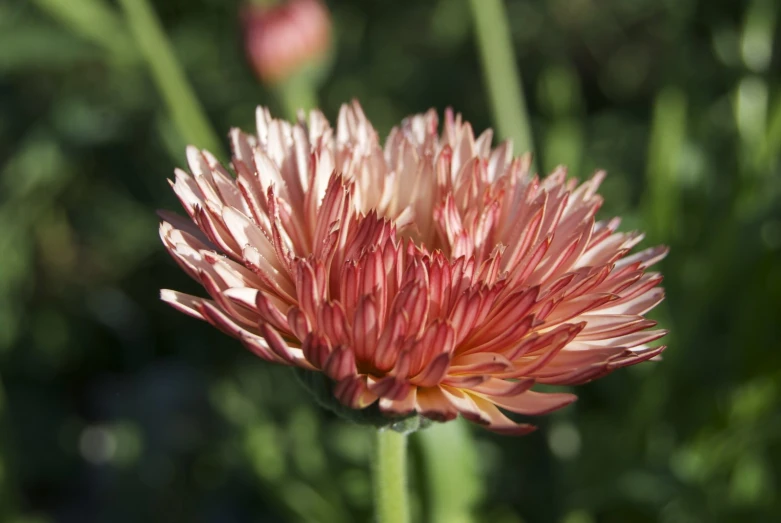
{"x": 187, "y": 114}
{"x": 501, "y": 73}
{"x": 295, "y": 94}
{"x": 264, "y": 3}
{"x": 391, "y": 503}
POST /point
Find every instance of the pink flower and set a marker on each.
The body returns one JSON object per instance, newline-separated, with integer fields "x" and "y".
{"x": 281, "y": 39}
{"x": 432, "y": 275}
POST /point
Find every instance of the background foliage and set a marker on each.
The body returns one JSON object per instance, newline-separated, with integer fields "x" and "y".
{"x": 114, "y": 408}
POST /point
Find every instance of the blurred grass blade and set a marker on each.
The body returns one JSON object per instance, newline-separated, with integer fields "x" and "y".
{"x": 772, "y": 144}
{"x": 750, "y": 106}
{"x": 93, "y": 20}
{"x": 751, "y": 110}
{"x": 186, "y": 111}
{"x": 757, "y": 44}
{"x": 564, "y": 145}
{"x": 501, "y": 73}
{"x": 758, "y": 30}
{"x": 450, "y": 462}
{"x": 560, "y": 99}
{"x": 668, "y": 133}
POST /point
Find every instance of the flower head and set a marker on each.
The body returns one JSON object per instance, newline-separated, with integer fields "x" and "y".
{"x": 430, "y": 275}
{"x": 281, "y": 39}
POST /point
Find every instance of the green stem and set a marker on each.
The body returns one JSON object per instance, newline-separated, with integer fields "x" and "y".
{"x": 391, "y": 503}
{"x": 501, "y": 73}
{"x": 187, "y": 114}
{"x": 265, "y": 3}
{"x": 295, "y": 94}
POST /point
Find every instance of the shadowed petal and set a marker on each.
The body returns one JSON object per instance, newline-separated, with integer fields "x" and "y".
{"x": 354, "y": 392}
{"x": 185, "y": 303}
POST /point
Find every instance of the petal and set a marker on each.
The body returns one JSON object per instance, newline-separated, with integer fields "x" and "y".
{"x": 188, "y": 226}
{"x": 600, "y": 326}
{"x": 433, "y": 373}
{"x": 276, "y": 344}
{"x": 259, "y": 347}
{"x": 245, "y": 233}
{"x": 390, "y": 343}
{"x": 647, "y": 257}
{"x": 261, "y": 304}
{"x": 390, "y": 387}
{"x": 543, "y": 350}
{"x": 401, "y": 406}
{"x": 316, "y": 348}
{"x": 495, "y": 421}
{"x": 479, "y": 363}
{"x": 354, "y": 392}
{"x": 437, "y": 339}
{"x": 630, "y": 340}
{"x": 532, "y": 403}
{"x": 464, "y": 404}
{"x": 340, "y": 364}
{"x": 499, "y": 387}
{"x": 433, "y": 404}
{"x": 365, "y": 325}
{"x": 464, "y": 382}
{"x": 505, "y": 316}
{"x": 219, "y": 319}
{"x": 331, "y": 321}
{"x": 185, "y": 303}
{"x": 298, "y": 323}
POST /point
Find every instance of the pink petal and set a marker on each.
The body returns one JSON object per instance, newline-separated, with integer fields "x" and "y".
{"x": 433, "y": 404}
{"x": 390, "y": 343}
{"x": 437, "y": 339}
{"x": 185, "y": 303}
{"x": 532, "y": 403}
{"x": 354, "y": 392}
{"x": 433, "y": 373}
{"x": 340, "y": 364}
{"x": 276, "y": 344}
{"x": 495, "y": 421}
{"x": 499, "y": 387}
{"x": 365, "y": 327}
{"x": 259, "y": 347}
{"x": 219, "y": 319}
{"x": 316, "y": 349}
{"x": 479, "y": 363}
{"x": 402, "y": 406}
{"x": 390, "y": 387}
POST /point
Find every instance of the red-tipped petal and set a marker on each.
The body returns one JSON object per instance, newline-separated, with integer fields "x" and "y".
{"x": 354, "y": 392}
{"x": 185, "y": 303}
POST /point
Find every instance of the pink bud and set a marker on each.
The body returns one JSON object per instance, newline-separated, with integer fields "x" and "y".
{"x": 281, "y": 39}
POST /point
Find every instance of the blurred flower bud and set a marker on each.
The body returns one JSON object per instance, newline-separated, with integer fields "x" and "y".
{"x": 283, "y": 38}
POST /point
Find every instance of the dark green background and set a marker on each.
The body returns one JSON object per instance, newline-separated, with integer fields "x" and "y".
{"x": 115, "y": 408}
